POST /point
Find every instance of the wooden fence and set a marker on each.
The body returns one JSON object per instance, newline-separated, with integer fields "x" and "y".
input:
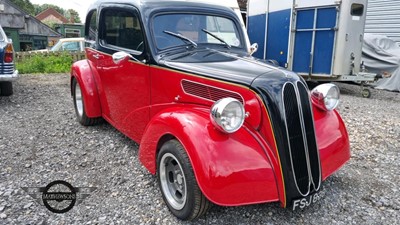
{"x": 76, "y": 56}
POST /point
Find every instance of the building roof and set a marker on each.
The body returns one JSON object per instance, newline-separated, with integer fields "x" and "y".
{"x": 16, "y": 18}
{"x": 51, "y": 12}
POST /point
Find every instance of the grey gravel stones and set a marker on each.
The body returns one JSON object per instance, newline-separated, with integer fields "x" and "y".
{"x": 40, "y": 141}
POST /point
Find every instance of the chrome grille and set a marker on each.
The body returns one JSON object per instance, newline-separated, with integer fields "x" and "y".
{"x": 7, "y": 68}
{"x": 303, "y": 151}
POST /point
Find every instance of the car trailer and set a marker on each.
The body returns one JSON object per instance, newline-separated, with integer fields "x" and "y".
{"x": 320, "y": 40}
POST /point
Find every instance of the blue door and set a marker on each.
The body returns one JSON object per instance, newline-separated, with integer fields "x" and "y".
{"x": 314, "y": 40}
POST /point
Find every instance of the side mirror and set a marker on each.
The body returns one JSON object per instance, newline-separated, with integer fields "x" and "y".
{"x": 9, "y": 40}
{"x": 253, "y": 48}
{"x": 120, "y": 57}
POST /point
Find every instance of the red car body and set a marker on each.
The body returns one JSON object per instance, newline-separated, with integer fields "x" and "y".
{"x": 152, "y": 99}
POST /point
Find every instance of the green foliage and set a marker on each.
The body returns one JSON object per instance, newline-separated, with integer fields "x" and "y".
{"x": 35, "y": 9}
{"x": 25, "y": 5}
{"x": 71, "y": 13}
{"x": 41, "y": 8}
{"x": 41, "y": 63}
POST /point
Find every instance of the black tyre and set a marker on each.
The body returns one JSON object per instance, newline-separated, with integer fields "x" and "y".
{"x": 178, "y": 184}
{"x": 79, "y": 106}
{"x": 6, "y": 89}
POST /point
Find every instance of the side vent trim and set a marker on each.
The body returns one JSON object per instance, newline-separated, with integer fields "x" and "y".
{"x": 208, "y": 92}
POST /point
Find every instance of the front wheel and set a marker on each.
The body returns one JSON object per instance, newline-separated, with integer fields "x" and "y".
{"x": 178, "y": 184}
{"x": 79, "y": 106}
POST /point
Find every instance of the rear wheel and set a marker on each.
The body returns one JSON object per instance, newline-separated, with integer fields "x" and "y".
{"x": 79, "y": 105}
{"x": 6, "y": 88}
{"x": 178, "y": 184}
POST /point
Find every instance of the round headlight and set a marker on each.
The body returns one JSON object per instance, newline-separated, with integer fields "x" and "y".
{"x": 326, "y": 96}
{"x": 227, "y": 114}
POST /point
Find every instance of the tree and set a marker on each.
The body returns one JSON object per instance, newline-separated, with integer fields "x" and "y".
{"x": 25, "y": 5}
{"x": 41, "y": 8}
{"x": 72, "y": 16}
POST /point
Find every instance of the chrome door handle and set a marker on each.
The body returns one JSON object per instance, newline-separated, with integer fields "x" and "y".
{"x": 96, "y": 56}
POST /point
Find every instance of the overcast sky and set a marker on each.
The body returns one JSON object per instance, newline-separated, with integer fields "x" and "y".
{"x": 80, "y": 6}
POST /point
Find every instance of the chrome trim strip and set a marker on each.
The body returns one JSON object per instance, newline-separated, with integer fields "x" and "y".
{"x": 241, "y": 97}
{"x": 316, "y": 144}
{"x": 303, "y": 131}
{"x": 290, "y": 151}
{"x": 9, "y": 77}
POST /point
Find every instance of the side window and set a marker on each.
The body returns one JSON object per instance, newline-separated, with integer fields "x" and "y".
{"x": 121, "y": 28}
{"x": 91, "y": 28}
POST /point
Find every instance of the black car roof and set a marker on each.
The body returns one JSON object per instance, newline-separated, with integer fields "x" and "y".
{"x": 152, "y": 5}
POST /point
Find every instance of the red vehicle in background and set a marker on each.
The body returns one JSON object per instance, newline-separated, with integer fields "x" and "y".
{"x": 213, "y": 123}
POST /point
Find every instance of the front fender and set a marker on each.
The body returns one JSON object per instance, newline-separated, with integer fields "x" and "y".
{"x": 332, "y": 139}
{"x": 83, "y": 73}
{"x": 231, "y": 169}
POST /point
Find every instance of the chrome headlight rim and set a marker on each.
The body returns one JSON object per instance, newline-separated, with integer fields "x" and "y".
{"x": 217, "y": 112}
{"x": 326, "y": 93}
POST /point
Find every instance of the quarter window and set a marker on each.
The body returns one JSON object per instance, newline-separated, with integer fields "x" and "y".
{"x": 121, "y": 28}
{"x": 91, "y": 30}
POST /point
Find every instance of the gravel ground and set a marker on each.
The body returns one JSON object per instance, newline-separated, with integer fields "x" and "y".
{"x": 40, "y": 141}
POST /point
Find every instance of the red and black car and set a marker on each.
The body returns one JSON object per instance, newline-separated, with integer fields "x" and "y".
{"x": 8, "y": 74}
{"x": 213, "y": 123}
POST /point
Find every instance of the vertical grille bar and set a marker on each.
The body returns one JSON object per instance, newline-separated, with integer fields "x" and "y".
{"x": 313, "y": 153}
{"x": 297, "y": 151}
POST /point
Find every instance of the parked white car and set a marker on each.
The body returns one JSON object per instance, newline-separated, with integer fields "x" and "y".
{"x": 67, "y": 44}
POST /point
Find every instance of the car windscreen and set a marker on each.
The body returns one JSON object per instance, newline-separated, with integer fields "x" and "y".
{"x": 172, "y": 30}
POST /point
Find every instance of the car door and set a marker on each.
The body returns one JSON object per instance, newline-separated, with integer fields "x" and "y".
{"x": 126, "y": 85}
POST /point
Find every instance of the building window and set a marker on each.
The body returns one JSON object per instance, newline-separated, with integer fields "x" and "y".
{"x": 71, "y": 33}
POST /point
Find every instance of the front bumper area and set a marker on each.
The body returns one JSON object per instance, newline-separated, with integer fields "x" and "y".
{"x": 9, "y": 77}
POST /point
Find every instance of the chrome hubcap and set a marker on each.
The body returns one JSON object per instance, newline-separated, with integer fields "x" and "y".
{"x": 173, "y": 182}
{"x": 78, "y": 100}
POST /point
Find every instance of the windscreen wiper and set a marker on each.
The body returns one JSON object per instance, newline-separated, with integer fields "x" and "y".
{"x": 180, "y": 36}
{"x": 216, "y": 37}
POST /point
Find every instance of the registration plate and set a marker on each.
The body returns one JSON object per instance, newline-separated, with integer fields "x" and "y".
{"x": 306, "y": 201}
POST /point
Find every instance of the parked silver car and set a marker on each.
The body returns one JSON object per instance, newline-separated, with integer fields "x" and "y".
{"x": 8, "y": 73}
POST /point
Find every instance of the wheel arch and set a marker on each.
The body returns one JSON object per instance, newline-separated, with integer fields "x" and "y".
{"x": 165, "y": 138}
{"x": 83, "y": 73}
{"x": 227, "y": 181}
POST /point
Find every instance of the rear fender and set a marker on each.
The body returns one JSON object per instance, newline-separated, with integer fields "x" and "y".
{"x": 231, "y": 169}
{"x": 83, "y": 73}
